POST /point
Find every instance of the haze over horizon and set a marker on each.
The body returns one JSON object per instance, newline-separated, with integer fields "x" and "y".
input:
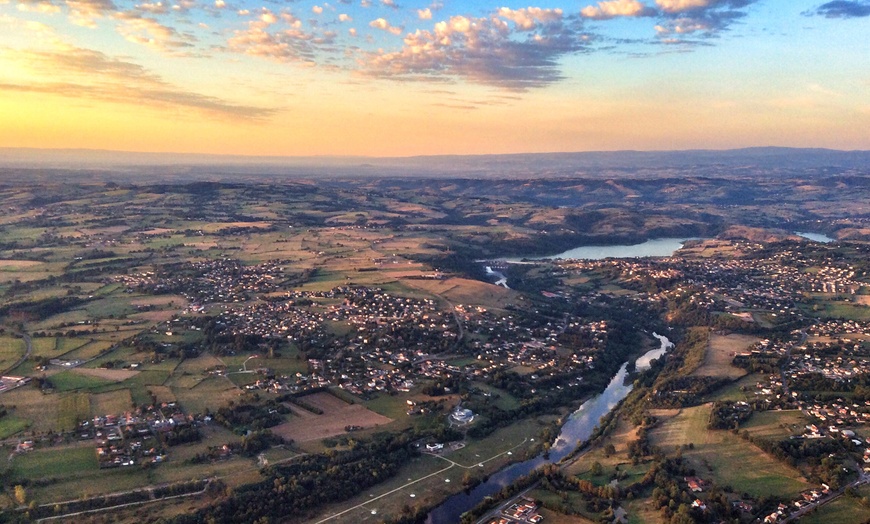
{"x": 387, "y": 78}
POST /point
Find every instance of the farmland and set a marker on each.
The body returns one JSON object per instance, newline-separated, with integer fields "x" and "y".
{"x": 335, "y": 417}
{"x": 301, "y": 323}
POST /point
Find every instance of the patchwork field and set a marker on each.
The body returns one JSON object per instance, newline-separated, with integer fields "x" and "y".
{"x": 337, "y": 414}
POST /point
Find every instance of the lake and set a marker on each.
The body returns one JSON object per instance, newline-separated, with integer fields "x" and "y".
{"x": 816, "y": 237}
{"x": 657, "y": 247}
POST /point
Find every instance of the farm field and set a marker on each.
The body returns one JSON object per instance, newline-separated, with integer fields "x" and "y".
{"x": 305, "y": 426}
{"x": 720, "y": 353}
{"x": 723, "y": 455}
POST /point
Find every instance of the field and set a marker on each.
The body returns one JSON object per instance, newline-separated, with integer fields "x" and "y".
{"x": 845, "y": 509}
{"x": 720, "y": 353}
{"x": 54, "y": 462}
{"x": 71, "y": 380}
{"x": 72, "y": 409}
{"x": 306, "y": 426}
{"x": 112, "y": 375}
{"x": 723, "y": 455}
{"x": 111, "y": 403}
{"x": 11, "y": 425}
{"x": 11, "y": 349}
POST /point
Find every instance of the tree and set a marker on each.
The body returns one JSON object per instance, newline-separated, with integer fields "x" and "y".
{"x": 20, "y": 495}
{"x": 596, "y": 468}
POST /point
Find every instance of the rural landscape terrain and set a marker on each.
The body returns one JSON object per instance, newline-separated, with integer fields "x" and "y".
{"x": 380, "y": 341}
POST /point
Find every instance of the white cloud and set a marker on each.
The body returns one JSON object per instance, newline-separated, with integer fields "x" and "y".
{"x": 384, "y": 25}
{"x": 528, "y": 18}
{"x": 317, "y": 9}
{"x": 344, "y": 18}
{"x": 424, "y": 14}
{"x": 614, "y": 8}
{"x": 678, "y": 6}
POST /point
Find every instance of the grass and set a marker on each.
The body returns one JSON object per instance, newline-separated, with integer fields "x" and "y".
{"x": 72, "y": 409}
{"x": 68, "y": 381}
{"x": 502, "y": 399}
{"x": 11, "y": 425}
{"x": 11, "y": 349}
{"x": 720, "y": 353}
{"x": 111, "y": 403}
{"x": 54, "y": 462}
{"x": 32, "y": 405}
{"x": 88, "y": 350}
{"x": 211, "y": 393}
{"x": 723, "y": 456}
{"x": 734, "y": 391}
{"x": 573, "y": 500}
{"x": 775, "y": 425}
{"x": 844, "y": 509}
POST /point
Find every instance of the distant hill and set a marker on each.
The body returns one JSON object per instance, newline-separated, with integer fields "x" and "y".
{"x": 600, "y": 163}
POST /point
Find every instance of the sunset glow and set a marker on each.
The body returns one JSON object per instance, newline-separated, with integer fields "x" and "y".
{"x": 397, "y": 78}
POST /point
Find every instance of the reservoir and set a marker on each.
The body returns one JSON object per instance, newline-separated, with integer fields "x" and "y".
{"x": 816, "y": 237}
{"x": 576, "y": 428}
{"x": 657, "y": 247}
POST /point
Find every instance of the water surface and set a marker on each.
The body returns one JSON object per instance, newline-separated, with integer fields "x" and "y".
{"x": 657, "y": 247}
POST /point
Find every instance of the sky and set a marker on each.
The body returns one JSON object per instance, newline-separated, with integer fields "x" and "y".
{"x": 403, "y": 77}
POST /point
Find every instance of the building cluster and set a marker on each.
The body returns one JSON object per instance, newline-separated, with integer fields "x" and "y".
{"x": 224, "y": 280}
{"x": 136, "y": 437}
{"x": 523, "y": 511}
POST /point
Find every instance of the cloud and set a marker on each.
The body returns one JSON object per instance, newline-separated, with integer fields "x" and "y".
{"x": 89, "y": 74}
{"x": 697, "y": 21}
{"x": 317, "y": 10}
{"x": 287, "y": 41}
{"x": 481, "y": 50}
{"x": 615, "y": 8}
{"x": 390, "y": 3}
{"x": 530, "y": 18}
{"x": 159, "y": 7}
{"x": 842, "y": 9}
{"x": 345, "y": 18}
{"x": 38, "y": 7}
{"x": 384, "y": 25}
{"x": 424, "y": 14}
{"x": 147, "y": 31}
{"x": 679, "y": 6}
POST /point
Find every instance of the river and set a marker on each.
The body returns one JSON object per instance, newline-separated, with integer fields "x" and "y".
{"x": 577, "y": 428}
{"x": 657, "y": 247}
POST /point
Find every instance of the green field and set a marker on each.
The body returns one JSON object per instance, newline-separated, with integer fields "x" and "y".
{"x": 11, "y": 349}
{"x": 11, "y": 425}
{"x": 723, "y": 455}
{"x": 68, "y": 380}
{"x": 54, "y": 462}
{"x": 72, "y": 409}
{"x": 845, "y": 509}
